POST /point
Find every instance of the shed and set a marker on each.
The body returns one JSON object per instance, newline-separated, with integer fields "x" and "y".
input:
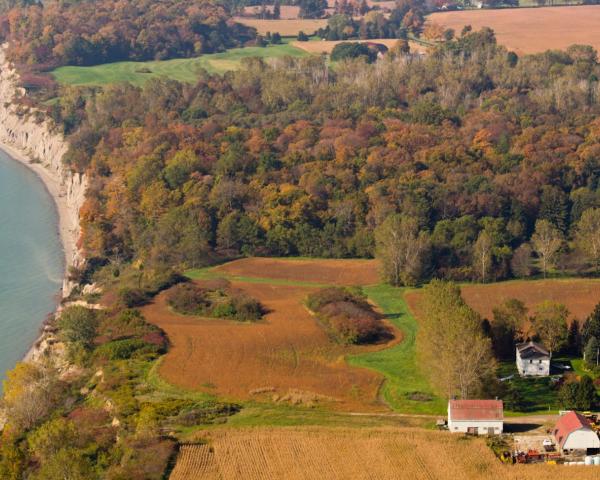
{"x": 477, "y": 417}
{"x": 574, "y": 432}
{"x": 533, "y": 360}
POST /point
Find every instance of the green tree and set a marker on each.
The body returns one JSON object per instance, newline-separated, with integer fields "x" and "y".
{"x": 78, "y": 325}
{"x": 568, "y": 394}
{"x": 509, "y": 320}
{"x": 591, "y": 352}
{"x": 402, "y": 249}
{"x": 550, "y": 324}
{"x": 554, "y": 207}
{"x": 451, "y": 343}
{"x": 312, "y": 8}
{"x": 591, "y": 327}
{"x": 586, "y": 393}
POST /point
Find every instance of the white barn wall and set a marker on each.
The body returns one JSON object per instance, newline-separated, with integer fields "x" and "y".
{"x": 462, "y": 426}
{"x": 581, "y": 440}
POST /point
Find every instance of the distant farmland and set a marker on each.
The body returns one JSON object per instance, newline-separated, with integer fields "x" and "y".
{"x": 303, "y": 453}
{"x": 531, "y": 30}
{"x": 287, "y": 28}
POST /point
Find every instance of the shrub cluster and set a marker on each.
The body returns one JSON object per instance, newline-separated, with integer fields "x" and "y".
{"x": 214, "y": 300}
{"x": 347, "y": 315}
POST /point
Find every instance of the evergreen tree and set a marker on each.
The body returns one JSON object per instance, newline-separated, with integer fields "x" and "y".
{"x": 591, "y": 327}
{"x": 592, "y": 352}
{"x": 586, "y": 393}
{"x": 554, "y": 207}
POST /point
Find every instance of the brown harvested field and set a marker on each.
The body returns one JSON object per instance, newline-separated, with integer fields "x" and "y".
{"x": 323, "y": 271}
{"x": 287, "y": 28}
{"x": 579, "y": 295}
{"x": 346, "y": 454}
{"x": 287, "y": 357}
{"x": 531, "y": 30}
{"x": 326, "y": 46}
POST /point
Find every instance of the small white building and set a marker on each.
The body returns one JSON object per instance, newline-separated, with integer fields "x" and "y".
{"x": 573, "y": 432}
{"x": 477, "y": 417}
{"x": 533, "y": 360}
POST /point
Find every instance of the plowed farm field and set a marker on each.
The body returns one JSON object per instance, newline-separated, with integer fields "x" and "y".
{"x": 286, "y": 357}
{"x": 579, "y": 295}
{"x": 334, "y": 272}
{"x": 322, "y": 453}
{"x": 531, "y": 30}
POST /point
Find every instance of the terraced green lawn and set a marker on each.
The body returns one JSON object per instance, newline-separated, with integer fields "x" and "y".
{"x": 183, "y": 69}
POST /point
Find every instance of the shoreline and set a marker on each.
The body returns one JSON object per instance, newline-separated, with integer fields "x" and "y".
{"x": 39, "y": 148}
{"x": 55, "y": 189}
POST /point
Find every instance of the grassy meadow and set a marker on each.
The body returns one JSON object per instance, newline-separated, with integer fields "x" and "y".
{"x": 181, "y": 69}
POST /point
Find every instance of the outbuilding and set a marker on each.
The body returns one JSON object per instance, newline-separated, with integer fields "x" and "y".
{"x": 476, "y": 417}
{"x": 533, "y": 360}
{"x": 573, "y": 432}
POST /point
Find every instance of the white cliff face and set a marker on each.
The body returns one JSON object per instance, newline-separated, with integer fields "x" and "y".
{"x": 36, "y": 145}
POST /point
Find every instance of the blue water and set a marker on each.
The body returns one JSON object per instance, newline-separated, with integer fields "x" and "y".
{"x": 31, "y": 259}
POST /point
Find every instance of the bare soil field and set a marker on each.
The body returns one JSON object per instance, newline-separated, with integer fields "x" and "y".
{"x": 326, "y": 46}
{"x": 287, "y": 28}
{"x": 579, "y": 295}
{"x": 323, "y": 271}
{"x": 327, "y": 453}
{"x": 286, "y": 358}
{"x": 531, "y": 30}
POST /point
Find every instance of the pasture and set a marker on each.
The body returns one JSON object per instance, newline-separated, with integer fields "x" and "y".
{"x": 182, "y": 69}
{"x": 338, "y": 453}
{"x": 531, "y": 30}
{"x": 287, "y": 358}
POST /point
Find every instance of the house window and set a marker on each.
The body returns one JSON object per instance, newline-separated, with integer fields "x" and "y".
{"x": 530, "y": 361}
{"x": 539, "y": 361}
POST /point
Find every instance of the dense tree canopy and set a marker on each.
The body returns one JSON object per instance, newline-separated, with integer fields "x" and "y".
{"x": 90, "y": 32}
{"x": 295, "y": 158}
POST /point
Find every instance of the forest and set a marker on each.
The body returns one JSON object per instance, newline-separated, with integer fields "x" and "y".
{"x": 488, "y": 158}
{"x": 91, "y": 32}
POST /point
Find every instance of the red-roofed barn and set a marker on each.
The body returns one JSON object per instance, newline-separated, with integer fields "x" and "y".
{"x": 478, "y": 417}
{"x": 574, "y": 432}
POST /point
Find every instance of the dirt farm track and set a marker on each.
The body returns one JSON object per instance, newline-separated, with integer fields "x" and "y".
{"x": 531, "y": 30}
{"x": 352, "y": 454}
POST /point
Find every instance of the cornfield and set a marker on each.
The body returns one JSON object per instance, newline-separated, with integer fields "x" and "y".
{"x": 329, "y": 453}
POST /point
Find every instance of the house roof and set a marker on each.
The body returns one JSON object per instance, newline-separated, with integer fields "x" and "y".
{"x": 476, "y": 409}
{"x": 532, "y": 350}
{"x": 568, "y": 423}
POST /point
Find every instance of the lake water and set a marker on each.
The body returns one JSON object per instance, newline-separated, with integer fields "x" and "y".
{"x": 31, "y": 259}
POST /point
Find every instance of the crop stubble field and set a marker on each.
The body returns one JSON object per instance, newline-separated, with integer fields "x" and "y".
{"x": 326, "y": 453}
{"x": 579, "y": 295}
{"x": 287, "y": 355}
{"x": 531, "y": 30}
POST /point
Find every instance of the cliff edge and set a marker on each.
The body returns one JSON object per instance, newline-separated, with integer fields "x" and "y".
{"x": 34, "y": 144}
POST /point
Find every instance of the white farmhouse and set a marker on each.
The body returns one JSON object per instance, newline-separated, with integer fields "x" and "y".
{"x": 574, "y": 432}
{"x": 477, "y": 417}
{"x": 533, "y": 360}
